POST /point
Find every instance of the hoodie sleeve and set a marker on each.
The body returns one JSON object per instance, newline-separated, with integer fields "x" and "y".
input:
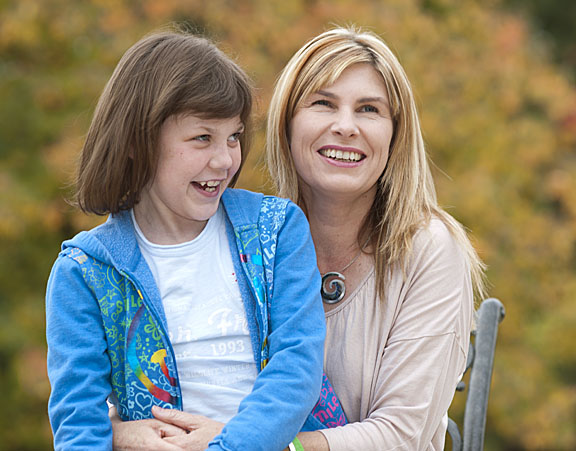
{"x": 78, "y": 364}
{"x": 288, "y": 387}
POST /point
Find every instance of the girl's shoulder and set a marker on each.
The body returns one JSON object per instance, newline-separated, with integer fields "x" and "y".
{"x": 245, "y": 207}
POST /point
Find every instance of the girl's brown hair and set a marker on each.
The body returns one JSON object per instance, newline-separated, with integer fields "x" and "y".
{"x": 164, "y": 74}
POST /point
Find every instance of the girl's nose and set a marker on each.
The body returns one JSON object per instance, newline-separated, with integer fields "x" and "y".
{"x": 222, "y": 158}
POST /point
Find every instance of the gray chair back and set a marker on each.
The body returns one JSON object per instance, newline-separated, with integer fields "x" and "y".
{"x": 480, "y": 364}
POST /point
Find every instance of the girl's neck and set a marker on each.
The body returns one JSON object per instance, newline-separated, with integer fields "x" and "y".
{"x": 158, "y": 230}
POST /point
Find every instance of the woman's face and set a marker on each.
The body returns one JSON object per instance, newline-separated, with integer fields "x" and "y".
{"x": 340, "y": 136}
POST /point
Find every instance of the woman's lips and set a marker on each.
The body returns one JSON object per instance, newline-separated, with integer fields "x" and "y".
{"x": 342, "y": 154}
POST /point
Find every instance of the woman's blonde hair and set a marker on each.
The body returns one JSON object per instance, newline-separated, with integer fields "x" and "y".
{"x": 406, "y": 197}
{"x": 166, "y": 73}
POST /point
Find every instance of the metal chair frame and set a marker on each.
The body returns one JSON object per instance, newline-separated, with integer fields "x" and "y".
{"x": 480, "y": 364}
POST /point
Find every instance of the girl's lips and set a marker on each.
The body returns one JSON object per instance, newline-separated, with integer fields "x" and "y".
{"x": 208, "y": 189}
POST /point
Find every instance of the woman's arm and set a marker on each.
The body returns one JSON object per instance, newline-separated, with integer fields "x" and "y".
{"x": 422, "y": 355}
{"x": 313, "y": 441}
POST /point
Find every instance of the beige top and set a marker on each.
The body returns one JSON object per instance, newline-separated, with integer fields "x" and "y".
{"x": 395, "y": 365}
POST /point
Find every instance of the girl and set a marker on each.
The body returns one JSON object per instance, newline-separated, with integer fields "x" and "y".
{"x": 179, "y": 300}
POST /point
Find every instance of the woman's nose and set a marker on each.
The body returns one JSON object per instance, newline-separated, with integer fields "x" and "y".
{"x": 345, "y": 124}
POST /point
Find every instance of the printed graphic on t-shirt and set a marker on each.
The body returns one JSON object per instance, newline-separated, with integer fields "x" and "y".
{"x": 207, "y": 323}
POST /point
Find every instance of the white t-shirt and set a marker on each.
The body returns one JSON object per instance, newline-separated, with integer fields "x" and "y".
{"x": 206, "y": 319}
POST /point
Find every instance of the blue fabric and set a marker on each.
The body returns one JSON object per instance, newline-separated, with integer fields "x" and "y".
{"x": 106, "y": 329}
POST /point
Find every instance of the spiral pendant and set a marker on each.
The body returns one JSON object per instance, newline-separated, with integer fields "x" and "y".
{"x": 333, "y": 288}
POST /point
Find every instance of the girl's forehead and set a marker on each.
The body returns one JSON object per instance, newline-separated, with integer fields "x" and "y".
{"x": 204, "y": 119}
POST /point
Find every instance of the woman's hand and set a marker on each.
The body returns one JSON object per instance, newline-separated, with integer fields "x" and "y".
{"x": 143, "y": 434}
{"x": 201, "y": 430}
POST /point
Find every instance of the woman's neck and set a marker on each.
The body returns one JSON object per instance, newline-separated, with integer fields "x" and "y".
{"x": 335, "y": 225}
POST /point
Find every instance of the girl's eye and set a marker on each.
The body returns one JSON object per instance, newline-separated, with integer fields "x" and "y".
{"x": 368, "y": 109}
{"x": 235, "y": 137}
{"x": 202, "y": 138}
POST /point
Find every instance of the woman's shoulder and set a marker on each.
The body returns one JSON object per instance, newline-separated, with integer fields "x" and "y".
{"x": 434, "y": 231}
{"x": 435, "y": 239}
{"x": 435, "y": 228}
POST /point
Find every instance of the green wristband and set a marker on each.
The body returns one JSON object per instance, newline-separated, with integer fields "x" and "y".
{"x": 297, "y": 445}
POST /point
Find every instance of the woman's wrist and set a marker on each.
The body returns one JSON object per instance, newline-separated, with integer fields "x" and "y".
{"x": 312, "y": 441}
{"x": 295, "y": 445}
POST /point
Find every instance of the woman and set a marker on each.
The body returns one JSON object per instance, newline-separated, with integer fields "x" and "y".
{"x": 344, "y": 142}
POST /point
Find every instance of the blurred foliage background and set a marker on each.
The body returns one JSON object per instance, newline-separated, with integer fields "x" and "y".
{"x": 495, "y": 85}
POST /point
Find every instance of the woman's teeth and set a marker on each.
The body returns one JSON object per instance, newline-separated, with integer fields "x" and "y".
{"x": 342, "y": 155}
{"x": 209, "y": 186}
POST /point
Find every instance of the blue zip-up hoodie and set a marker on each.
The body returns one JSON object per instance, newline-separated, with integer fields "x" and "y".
{"x": 107, "y": 333}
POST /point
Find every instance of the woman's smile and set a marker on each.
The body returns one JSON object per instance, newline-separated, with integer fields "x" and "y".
{"x": 339, "y": 154}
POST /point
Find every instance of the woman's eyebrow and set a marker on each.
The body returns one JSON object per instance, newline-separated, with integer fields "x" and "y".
{"x": 326, "y": 94}
{"x": 361, "y": 100}
{"x": 373, "y": 99}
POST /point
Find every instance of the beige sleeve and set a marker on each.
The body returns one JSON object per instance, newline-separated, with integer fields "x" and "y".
{"x": 423, "y": 357}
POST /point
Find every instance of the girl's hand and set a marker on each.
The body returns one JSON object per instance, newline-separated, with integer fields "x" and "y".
{"x": 146, "y": 435}
{"x": 201, "y": 430}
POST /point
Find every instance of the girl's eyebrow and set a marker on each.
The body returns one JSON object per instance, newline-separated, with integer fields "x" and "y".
{"x": 213, "y": 130}
{"x": 207, "y": 129}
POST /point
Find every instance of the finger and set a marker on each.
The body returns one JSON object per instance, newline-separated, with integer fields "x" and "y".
{"x": 167, "y": 446}
{"x": 176, "y": 417}
{"x": 186, "y": 442}
{"x": 113, "y": 415}
{"x": 169, "y": 430}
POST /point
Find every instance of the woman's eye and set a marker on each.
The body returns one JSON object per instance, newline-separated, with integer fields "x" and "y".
{"x": 322, "y": 102}
{"x": 368, "y": 109}
{"x": 202, "y": 138}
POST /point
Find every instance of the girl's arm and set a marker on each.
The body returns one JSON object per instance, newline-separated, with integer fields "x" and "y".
{"x": 78, "y": 364}
{"x": 288, "y": 387}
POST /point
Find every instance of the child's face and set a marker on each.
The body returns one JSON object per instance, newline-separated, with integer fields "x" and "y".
{"x": 198, "y": 157}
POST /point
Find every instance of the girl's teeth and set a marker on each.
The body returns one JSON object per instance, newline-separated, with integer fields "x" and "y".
{"x": 209, "y": 186}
